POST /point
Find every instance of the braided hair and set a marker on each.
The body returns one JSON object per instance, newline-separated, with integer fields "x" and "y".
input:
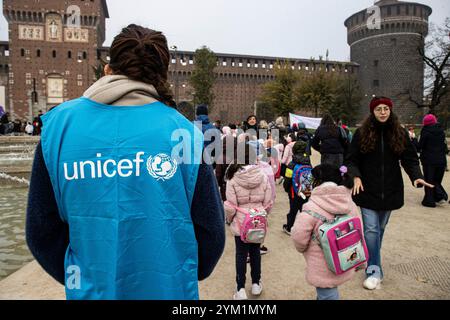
{"x": 143, "y": 55}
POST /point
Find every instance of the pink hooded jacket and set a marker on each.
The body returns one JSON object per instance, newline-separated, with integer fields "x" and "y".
{"x": 327, "y": 200}
{"x": 287, "y": 155}
{"x": 268, "y": 171}
{"x": 248, "y": 189}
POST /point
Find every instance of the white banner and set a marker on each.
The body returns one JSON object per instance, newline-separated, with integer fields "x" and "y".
{"x": 310, "y": 123}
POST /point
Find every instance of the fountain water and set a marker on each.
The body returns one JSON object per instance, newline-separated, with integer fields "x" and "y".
{"x": 16, "y": 156}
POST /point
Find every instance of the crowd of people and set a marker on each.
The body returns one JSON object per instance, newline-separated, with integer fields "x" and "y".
{"x": 20, "y": 127}
{"x": 123, "y": 234}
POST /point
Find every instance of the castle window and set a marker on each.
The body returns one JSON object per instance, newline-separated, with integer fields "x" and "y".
{"x": 38, "y": 53}
{"x": 54, "y": 53}
{"x": 415, "y": 10}
{"x": 22, "y": 52}
{"x": 389, "y": 11}
{"x": 84, "y": 55}
{"x": 398, "y": 10}
{"x": 407, "y": 10}
{"x": 69, "y": 54}
{"x": 375, "y": 63}
{"x": 376, "y": 83}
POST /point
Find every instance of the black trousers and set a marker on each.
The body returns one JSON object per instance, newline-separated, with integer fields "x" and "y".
{"x": 295, "y": 205}
{"x": 332, "y": 159}
{"x": 434, "y": 175}
{"x": 242, "y": 251}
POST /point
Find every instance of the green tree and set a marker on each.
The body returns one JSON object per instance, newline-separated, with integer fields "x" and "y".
{"x": 348, "y": 98}
{"x": 203, "y": 77}
{"x": 279, "y": 94}
{"x": 317, "y": 92}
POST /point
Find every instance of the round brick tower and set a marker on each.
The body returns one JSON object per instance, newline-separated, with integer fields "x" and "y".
{"x": 385, "y": 43}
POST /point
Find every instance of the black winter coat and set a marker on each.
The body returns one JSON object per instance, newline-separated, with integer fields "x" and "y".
{"x": 433, "y": 146}
{"x": 380, "y": 172}
{"x": 326, "y": 143}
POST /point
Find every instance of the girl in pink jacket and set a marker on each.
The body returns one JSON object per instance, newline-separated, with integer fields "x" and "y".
{"x": 247, "y": 187}
{"x": 331, "y": 197}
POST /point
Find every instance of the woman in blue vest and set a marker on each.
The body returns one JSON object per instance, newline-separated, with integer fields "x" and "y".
{"x": 114, "y": 212}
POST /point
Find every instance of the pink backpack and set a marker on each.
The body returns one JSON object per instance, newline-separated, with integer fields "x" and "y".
{"x": 342, "y": 242}
{"x": 254, "y": 228}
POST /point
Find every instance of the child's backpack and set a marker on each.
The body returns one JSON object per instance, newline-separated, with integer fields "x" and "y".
{"x": 254, "y": 227}
{"x": 302, "y": 180}
{"x": 342, "y": 242}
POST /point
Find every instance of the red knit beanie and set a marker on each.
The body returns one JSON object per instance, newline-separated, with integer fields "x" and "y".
{"x": 380, "y": 100}
{"x": 429, "y": 120}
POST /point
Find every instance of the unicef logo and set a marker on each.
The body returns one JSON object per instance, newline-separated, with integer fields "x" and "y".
{"x": 161, "y": 167}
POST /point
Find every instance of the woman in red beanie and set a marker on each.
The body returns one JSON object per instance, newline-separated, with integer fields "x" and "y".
{"x": 374, "y": 158}
{"x": 433, "y": 149}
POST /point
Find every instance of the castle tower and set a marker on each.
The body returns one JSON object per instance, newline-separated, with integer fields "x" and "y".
{"x": 390, "y": 63}
{"x": 53, "y": 47}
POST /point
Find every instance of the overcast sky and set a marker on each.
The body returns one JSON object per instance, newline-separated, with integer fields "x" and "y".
{"x": 281, "y": 28}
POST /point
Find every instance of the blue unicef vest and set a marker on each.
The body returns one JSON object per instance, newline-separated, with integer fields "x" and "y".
{"x": 126, "y": 198}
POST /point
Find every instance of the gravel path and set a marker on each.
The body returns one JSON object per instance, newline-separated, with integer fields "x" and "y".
{"x": 416, "y": 255}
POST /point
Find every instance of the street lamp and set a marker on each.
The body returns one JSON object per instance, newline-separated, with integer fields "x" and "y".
{"x": 175, "y": 48}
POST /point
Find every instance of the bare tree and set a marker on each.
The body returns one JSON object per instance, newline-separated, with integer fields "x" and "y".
{"x": 436, "y": 56}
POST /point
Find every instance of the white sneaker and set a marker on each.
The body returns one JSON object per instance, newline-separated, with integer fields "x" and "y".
{"x": 240, "y": 295}
{"x": 257, "y": 289}
{"x": 442, "y": 202}
{"x": 372, "y": 283}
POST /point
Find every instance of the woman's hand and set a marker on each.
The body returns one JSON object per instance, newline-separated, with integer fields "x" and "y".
{"x": 421, "y": 182}
{"x": 358, "y": 186}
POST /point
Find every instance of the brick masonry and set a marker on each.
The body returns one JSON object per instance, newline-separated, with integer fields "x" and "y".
{"x": 240, "y": 78}
{"x": 390, "y": 64}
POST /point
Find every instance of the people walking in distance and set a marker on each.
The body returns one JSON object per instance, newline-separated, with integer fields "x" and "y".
{"x": 263, "y": 125}
{"x": 202, "y": 120}
{"x": 29, "y": 128}
{"x": 330, "y": 198}
{"x": 248, "y": 189}
{"x": 412, "y": 136}
{"x": 300, "y": 159}
{"x": 251, "y": 126}
{"x": 226, "y": 131}
{"x": 113, "y": 214}
{"x": 330, "y": 141}
{"x": 304, "y": 135}
{"x": 287, "y": 153}
{"x": 433, "y": 153}
{"x": 233, "y": 128}
{"x": 279, "y": 125}
{"x": 374, "y": 158}
{"x": 229, "y": 145}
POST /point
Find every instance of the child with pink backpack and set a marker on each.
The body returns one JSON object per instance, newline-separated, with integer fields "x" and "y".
{"x": 329, "y": 232}
{"x": 249, "y": 200}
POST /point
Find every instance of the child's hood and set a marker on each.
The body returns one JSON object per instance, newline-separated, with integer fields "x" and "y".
{"x": 249, "y": 177}
{"x": 334, "y": 199}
